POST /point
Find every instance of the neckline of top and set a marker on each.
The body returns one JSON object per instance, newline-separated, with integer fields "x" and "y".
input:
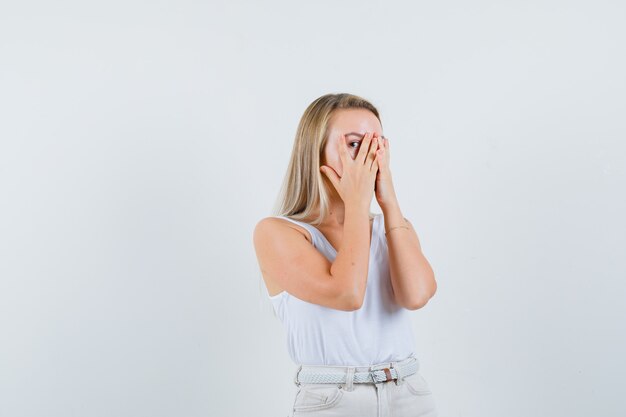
{"x": 373, "y": 236}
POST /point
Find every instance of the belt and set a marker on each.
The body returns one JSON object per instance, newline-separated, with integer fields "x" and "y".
{"x": 311, "y": 374}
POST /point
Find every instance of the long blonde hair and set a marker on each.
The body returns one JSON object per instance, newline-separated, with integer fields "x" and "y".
{"x": 303, "y": 188}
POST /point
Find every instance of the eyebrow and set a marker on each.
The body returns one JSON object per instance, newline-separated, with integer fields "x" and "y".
{"x": 360, "y": 135}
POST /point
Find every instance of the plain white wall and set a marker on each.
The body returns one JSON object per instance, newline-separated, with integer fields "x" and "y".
{"x": 142, "y": 141}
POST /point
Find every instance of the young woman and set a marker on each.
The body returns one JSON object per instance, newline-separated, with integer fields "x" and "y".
{"x": 341, "y": 279}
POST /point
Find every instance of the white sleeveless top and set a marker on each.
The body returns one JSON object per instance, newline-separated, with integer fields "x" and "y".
{"x": 380, "y": 331}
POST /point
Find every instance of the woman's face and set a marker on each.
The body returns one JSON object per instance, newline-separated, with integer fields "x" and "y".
{"x": 353, "y": 123}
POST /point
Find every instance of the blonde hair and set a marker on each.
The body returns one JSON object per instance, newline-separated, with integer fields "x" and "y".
{"x": 303, "y": 188}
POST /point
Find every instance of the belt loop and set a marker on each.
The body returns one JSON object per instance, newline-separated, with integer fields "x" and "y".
{"x": 350, "y": 378}
{"x": 399, "y": 374}
{"x": 295, "y": 378}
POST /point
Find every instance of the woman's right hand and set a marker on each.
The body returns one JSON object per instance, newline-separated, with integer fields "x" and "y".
{"x": 356, "y": 184}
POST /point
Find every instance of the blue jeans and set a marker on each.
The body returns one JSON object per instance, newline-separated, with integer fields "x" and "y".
{"x": 409, "y": 396}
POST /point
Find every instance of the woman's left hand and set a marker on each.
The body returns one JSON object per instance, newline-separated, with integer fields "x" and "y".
{"x": 385, "y": 193}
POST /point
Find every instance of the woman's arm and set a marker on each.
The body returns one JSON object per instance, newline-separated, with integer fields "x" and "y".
{"x": 412, "y": 277}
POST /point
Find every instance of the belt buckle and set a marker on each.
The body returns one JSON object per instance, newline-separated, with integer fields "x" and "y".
{"x": 388, "y": 376}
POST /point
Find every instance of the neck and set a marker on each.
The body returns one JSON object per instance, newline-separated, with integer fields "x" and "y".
{"x": 336, "y": 209}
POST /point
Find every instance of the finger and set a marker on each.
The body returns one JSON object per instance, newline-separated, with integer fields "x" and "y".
{"x": 382, "y": 148}
{"x": 379, "y": 140}
{"x": 331, "y": 175}
{"x": 376, "y": 166}
{"x": 378, "y": 159}
{"x": 385, "y": 148}
{"x": 343, "y": 153}
{"x": 364, "y": 149}
{"x": 371, "y": 156}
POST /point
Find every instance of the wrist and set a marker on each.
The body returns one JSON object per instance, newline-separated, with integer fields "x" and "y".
{"x": 390, "y": 206}
{"x": 393, "y": 217}
{"x": 357, "y": 207}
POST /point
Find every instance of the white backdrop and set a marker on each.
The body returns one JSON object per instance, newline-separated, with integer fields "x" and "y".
{"x": 142, "y": 141}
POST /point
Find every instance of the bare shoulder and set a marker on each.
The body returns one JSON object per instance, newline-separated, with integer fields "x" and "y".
{"x": 271, "y": 236}
{"x": 290, "y": 262}
{"x": 275, "y": 227}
